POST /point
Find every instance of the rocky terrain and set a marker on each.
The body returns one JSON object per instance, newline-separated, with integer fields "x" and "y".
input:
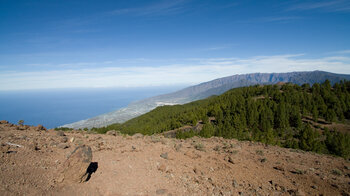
{"x": 204, "y": 90}
{"x": 36, "y": 161}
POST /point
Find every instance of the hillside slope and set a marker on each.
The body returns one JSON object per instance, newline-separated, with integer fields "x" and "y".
{"x": 288, "y": 115}
{"x": 31, "y": 161}
{"x": 203, "y": 90}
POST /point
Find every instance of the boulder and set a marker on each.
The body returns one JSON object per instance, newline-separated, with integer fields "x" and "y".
{"x": 60, "y": 133}
{"x": 76, "y": 165}
{"x": 164, "y": 155}
{"x": 63, "y": 139}
{"x": 137, "y": 135}
{"x": 21, "y": 127}
{"x": 63, "y": 146}
{"x": 4, "y": 122}
{"x": 111, "y": 132}
{"x": 40, "y": 128}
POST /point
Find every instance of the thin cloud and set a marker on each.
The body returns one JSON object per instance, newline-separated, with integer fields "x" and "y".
{"x": 330, "y": 6}
{"x": 219, "y": 47}
{"x": 162, "y": 8}
{"x": 190, "y": 71}
{"x": 342, "y": 52}
{"x": 271, "y": 19}
{"x": 279, "y": 18}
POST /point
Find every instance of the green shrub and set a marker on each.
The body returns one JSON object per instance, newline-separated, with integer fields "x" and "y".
{"x": 199, "y": 146}
{"x": 260, "y": 152}
{"x": 21, "y": 122}
{"x": 337, "y": 172}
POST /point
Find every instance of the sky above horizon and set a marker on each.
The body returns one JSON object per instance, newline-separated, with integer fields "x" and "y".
{"x": 138, "y": 43}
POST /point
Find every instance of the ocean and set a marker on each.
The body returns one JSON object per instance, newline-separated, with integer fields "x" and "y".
{"x": 53, "y": 108}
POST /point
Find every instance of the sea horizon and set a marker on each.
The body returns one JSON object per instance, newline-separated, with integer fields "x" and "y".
{"x": 56, "y": 107}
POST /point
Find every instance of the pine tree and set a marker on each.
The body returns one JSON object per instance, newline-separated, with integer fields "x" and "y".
{"x": 207, "y": 131}
{"x": 281, "y": 118}
{"x": 315, "y": 113}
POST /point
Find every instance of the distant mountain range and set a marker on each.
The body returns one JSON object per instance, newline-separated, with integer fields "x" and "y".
{"x": 204, "y": 90}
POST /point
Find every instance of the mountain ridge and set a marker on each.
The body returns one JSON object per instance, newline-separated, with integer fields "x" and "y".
{"x": 204, "y": 90}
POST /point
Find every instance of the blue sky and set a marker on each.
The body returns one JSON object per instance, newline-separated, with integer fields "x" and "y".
{"x": 134, "y": 43}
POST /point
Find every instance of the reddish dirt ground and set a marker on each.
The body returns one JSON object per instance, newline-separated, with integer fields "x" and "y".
{"x": 154, "y": 165}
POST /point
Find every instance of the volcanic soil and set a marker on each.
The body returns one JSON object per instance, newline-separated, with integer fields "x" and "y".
{"x": 32, "y": 160}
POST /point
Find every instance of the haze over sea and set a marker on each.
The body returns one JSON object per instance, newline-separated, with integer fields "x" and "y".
{"x": 53, "y": 108}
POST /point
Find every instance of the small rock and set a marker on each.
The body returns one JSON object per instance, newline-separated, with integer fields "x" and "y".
{"x": 314, "y": 187}
{"x": 60, "y": 133}
{"x": 335, "y": 185}
{"x": 72, "y": 140}
{"x": 347, "y": 167}
{"x": 64, "y": 139}
{"x": 162, "y": 168}
{"x": 282, "y": 188}
{"x": 36, "y": 148}
{"x": 178, "y": 147}
{"x": 279, "y": 168}
{"x": 53, "y": 144}
{"x": 10, "y": 125}
{"x": 111, "y": 132}
{"x": 161, "y": 191}
{"x": 277, "y": 187}
{"x": 21, "y": 127}
{"x": 76, "y": 165}
{"x": 164, "y": 155}
{"x": 298, "y": 171}
{"x": 137, "y": 135}
{"x": 229, "y": 159}
{"x": 299, "y": 192}
{"x": 63, "y": 146}
{"x": 33, "y": 146}
{"x": 234, "y": 184}
{"x": 40, "y": 128}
